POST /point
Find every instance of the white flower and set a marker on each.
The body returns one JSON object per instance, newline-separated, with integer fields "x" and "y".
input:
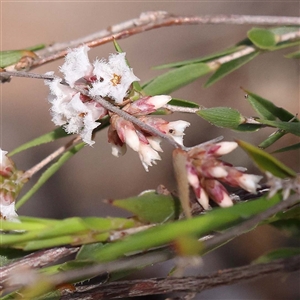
{"x": 249, "y": 182}
{"x": 77, "y": 113}
{"x": 77, "y": 65}
{"x": 148, "y": 155}
{"x": 114, "y": 78}
{"x": 176, "y": 130}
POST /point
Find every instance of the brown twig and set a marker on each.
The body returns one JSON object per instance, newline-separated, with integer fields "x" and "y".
{"x": 153, "y": 20}
{"x": 154, "y": 286}
{"x": 35, "y": 260}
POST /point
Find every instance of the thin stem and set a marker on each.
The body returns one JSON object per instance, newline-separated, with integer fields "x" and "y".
{"x": 154, "y": 20}
{"x": 131, "y": 118}
{"x": 4, "y": 75}
{"x": 29, "y": 173}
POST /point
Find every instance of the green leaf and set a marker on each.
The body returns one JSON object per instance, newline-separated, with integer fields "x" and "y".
{"x": 267, "y": 110}
{"x": 222, "y": 117}
{"x": 271, "y": 139}
{"x": 201, "y": 59}
{"x": 183, "y": 103}
{"x": 49, "y": 172}
{"x": 200, "y": 226}
{"x": 86, "y": 251}
{"x": 229, "y": 67}
{"x": 248, "y": 127}
{"x": 295, "y": 54}
{"x": 267, "y": 162}
{"x": 11, "y": 57}
{"x": 262, "y": 38}
{"x": 151, "y": 207}
{"x": 291, "y": 127}
{"x": 277, "y": 254}
{"x": 175, "y": 79}
{"x": 45, "y": 138}
{"x": 288, "y": 148}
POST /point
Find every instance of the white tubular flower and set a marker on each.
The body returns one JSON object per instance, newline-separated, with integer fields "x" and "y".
{"x": 249, "y": 182}
{"x": 114, "y": 78}
{"x": 148, "y": 155}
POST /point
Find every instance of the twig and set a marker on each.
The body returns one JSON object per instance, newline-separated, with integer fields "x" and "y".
{"x": 131, "y": 118}
{"x": 29, "y": 173}
{"x": 36, "y": 260}
{"x": 153, "y": 20}
{"x": 196, "y": 284}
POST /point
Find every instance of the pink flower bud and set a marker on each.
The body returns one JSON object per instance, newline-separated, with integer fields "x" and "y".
{"x": 147, "y": 105}
{"x": 217, "y": 192}
{"x": 225, "y": 148}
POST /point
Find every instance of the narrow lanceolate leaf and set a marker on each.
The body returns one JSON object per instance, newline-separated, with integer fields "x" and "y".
{"x": 267, "y": 110}
{"x": 183, "y": 103}
{"x": 150, "y": 207}
{"x": 262, "y": 38}
{"x": 45, "y": 138}
{"x": 288, "y": 148}
{"x": 217, "y": 219}
{"x": 222, "y": 117}
{"x": 179, "y": 165}
{"x": 295, "y": 54}
{"x": 271, "y": 139}
{"x": 11, "y": 57}
{"x": 201, "y": 59}
{"x": 49, "y": 172}
{"x": 291, "y": 127}
{"x": 229, "y": 67}
{"x": 267, "y": 162}
{"x": 175, "y": 79}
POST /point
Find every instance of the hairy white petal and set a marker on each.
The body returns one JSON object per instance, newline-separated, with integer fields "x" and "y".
{"x": 176, "y": 130}
{"x": 148, "y": 155}
{"x": 114, "y": 78}
{"x": 77, "y": 65}
{"x": 155, "y": 143}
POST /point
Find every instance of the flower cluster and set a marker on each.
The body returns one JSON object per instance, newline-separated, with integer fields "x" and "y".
{"x": 10, "y": 185}
{"x": 205, "y": 172}
{"x": 122, "y": 132}
{"x": 77, "y": 112}
{"x": 80, "y": 113}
